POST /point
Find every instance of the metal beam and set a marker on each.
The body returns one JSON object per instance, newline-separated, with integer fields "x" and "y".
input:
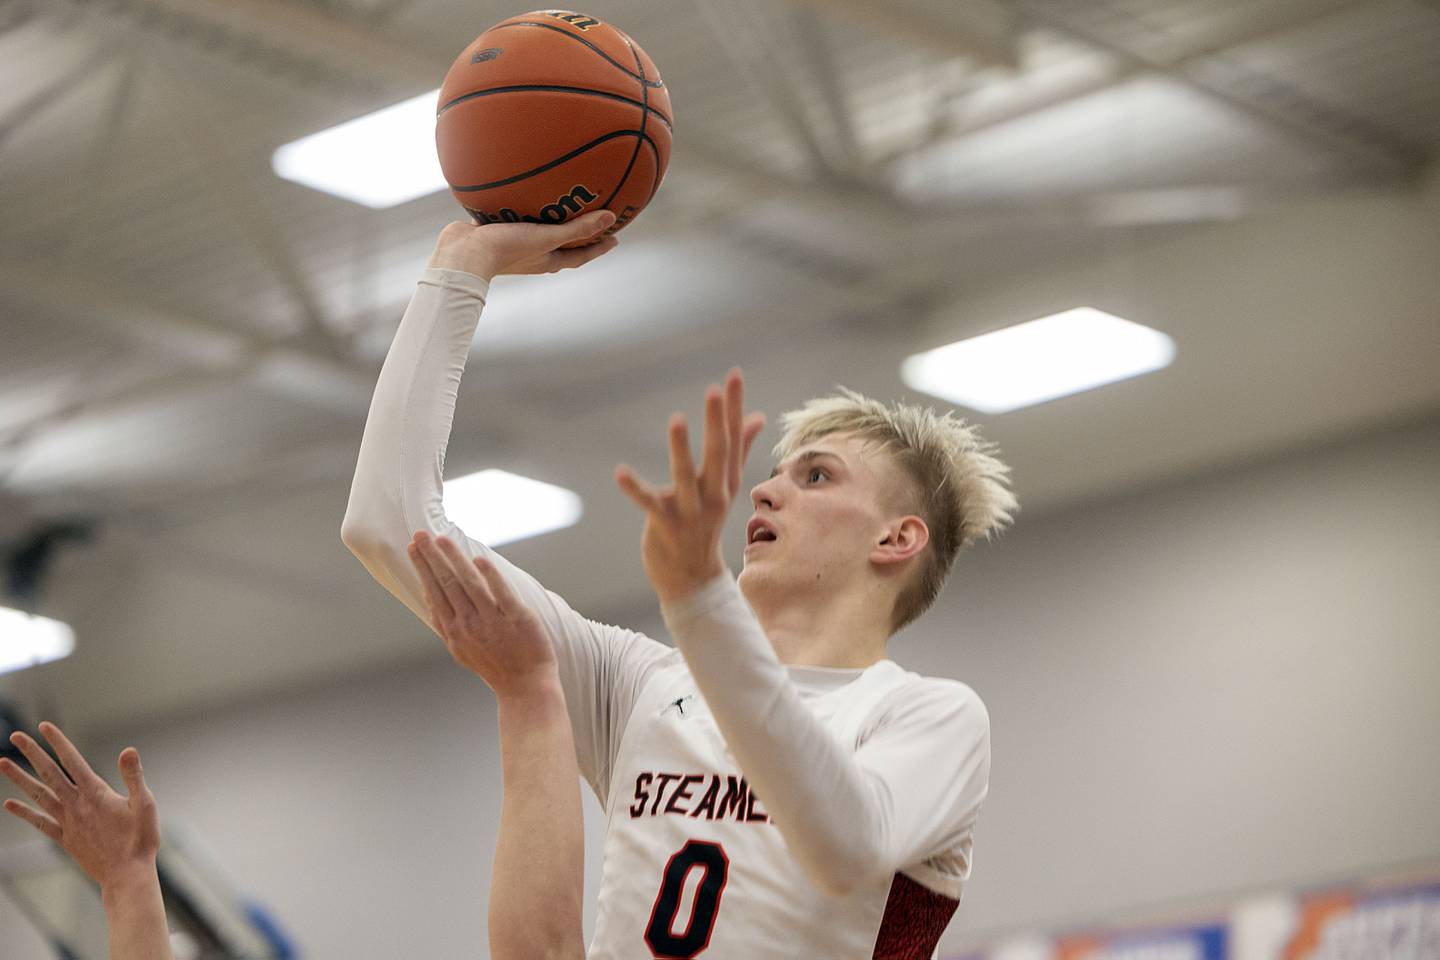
{"x": 813, "y": 44}
{"x": 206, "y": 350}
{"x": 982, "y": 31}
{"x": 223, "y": 30}
{"x": 1282, "y": 108}
{"x": 15, "y": 14}
{"x": 247, "y": 208}
{"x": 311, "y": 34}
{"x": 67, "y": 82}
{"x": 100, "y": 171}
{"x": 1120, "y": 70}
{"x": 747, "y": 45}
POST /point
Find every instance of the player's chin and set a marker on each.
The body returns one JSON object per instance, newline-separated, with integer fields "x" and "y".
{"x": 753, "y": 572}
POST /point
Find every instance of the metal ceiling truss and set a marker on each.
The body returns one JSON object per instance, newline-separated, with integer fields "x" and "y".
{"x": 1120, "y": 69}
{"x": 15, "y": 14}
{"x": 206, "y": 26}
{"x": 311, "y": 45}
{"x": 813, "y": 44}
{"x": 982, "y": 31}
{"x": 1250, "y": 92}
{"x": 66, "y": 82}
{"x": 748, "y": 43}
{"x": 100, "y": 172}
{"x": 247, "y": 209}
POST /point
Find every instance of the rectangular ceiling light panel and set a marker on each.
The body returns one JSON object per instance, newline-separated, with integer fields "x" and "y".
{"x": 379, "y": 160}
{"x": 497, "y": 507}
{"x": 1041, "y": 360}
{"x": 26, "y": 640}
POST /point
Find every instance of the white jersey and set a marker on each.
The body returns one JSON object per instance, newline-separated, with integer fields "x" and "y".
{"x": 754, "y": 810}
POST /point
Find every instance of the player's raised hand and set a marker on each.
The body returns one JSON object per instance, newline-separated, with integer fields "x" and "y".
{"x": 681, "y": 545}
{"x": 517, "y": 248}
{"x": 107, "y": 834}
{"x": 487, "y": 629}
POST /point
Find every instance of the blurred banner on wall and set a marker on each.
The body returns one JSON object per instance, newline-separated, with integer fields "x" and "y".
{"x": 1360, "y": 923}
{"x": 1393, "y": 916}
{"x": 1205, "y": 942}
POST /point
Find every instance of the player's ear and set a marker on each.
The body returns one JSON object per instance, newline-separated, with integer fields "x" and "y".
{"x": 901, "y": 540}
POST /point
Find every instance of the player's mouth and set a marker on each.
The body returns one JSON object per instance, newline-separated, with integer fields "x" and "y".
{"x": 758, "y": 531}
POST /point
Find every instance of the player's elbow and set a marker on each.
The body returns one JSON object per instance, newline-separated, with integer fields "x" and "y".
{"x": 359, "y": 536}
{"x": 530, "y": 942}
{"x": 836, "y": 886}
{"x": 847, "y": 868}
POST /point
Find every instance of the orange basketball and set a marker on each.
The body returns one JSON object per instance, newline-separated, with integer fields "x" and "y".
{"x": 549, "y": 115}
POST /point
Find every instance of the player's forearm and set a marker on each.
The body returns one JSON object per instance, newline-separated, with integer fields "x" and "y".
{"x": 538, "y": 882}
{"x": 832, "y": 818}
{"x": 398, "y": 476}
{"x": 135, "y": 916}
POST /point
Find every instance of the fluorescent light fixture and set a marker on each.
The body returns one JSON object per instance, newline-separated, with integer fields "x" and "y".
{"x": 1032, "y": 362}
{"x": 380, "y": 160}
{"x": 497, "y": 507}
{"x": 1137, "y": 208}
{"x": 26, "y": 640}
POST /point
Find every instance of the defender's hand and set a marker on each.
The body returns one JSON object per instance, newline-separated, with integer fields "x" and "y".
{"x": 681, "y": 545}
{"x": 500, "y": 248}
{"x": 486, "y": 628}
{"x": 108, "y": 835}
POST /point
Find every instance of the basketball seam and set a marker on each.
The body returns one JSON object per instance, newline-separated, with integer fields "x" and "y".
{"x": 566, "y": 33}
{"x": 655, "y": 185}
{"x": 556, "y": 162}
{"x": 644, "y": 117}
{"x": 583, "y": 91}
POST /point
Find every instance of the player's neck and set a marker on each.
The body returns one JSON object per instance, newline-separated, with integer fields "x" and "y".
{"x": 817, "y": 630}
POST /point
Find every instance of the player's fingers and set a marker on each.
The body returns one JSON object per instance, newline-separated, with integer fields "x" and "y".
{"x": 715, "y": 466}
{"x": 583, "y": 228}
{"x": 682, "y": 466}
{"x": 440, "y": 609}
{"x": 753, "y": 425}
{"x": 579, "y": 256}
{"x": 134, "y": 775}
{"x": 469, "y": 578}
{"x": 75, "y": 764}
{"x": 52, "y": 776}
{"x": 445, "y": 576}
{"x": 435, "y": 601}
{"x": 36, "y": 819}
{"x": 734, "y": 428}
{"x": 645, "y": 497}
{"x": 504, "y": 598}
{"x": 31, "y": 787}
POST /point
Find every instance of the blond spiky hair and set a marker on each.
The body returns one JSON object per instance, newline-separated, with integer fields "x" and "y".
{"x": 960, "y": 487}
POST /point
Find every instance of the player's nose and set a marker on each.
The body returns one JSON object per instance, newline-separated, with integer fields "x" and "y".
{"x": 765, "y": 494}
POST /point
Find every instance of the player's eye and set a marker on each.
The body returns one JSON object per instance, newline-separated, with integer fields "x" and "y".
{"x": 814, "y": 471}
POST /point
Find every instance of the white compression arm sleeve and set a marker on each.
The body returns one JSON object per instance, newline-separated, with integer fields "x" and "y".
{"x": 850, "y": 817}
{"x": 398, "y": 490}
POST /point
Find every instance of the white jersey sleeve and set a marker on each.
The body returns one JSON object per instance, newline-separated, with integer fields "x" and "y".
{"x": 397, "y": 491}
{"x": 905, "y": 800}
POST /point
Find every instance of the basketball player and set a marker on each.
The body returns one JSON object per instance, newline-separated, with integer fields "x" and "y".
{"x": 775, "y": 787}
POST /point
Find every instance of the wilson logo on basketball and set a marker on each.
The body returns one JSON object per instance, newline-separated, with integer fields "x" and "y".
{"x": 480, "y": 56}
{"x": 622, "y": 218}
{"x": 558, "y": 212}
{"x": 577, "y": 20}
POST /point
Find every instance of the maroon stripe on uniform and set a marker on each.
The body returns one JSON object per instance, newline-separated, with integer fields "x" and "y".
{"x": 915, "y": 916}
